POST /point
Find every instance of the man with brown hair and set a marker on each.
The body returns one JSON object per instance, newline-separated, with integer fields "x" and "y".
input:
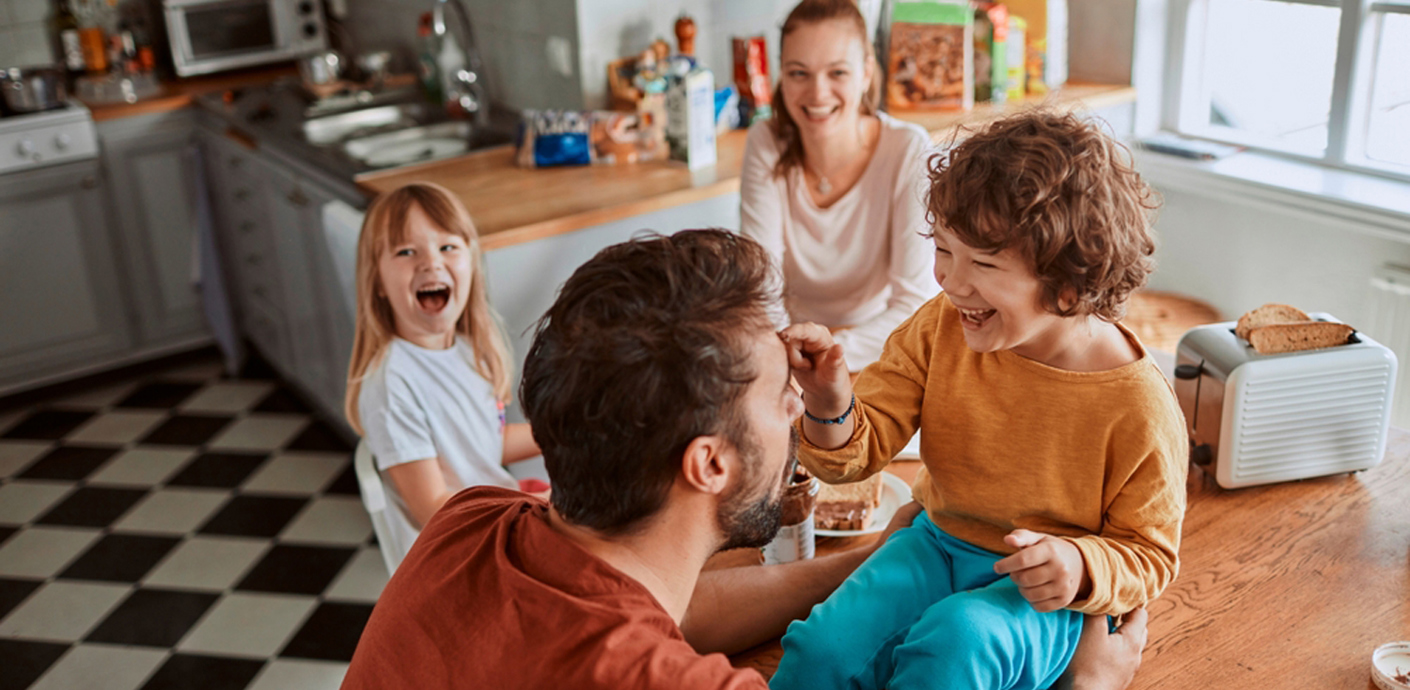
{"x": 661, "y": 397}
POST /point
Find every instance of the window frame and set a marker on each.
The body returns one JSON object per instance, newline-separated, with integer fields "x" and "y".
{"x": 1186, "y": 101}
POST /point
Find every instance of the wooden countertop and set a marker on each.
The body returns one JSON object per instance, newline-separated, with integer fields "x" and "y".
{"x": 177, "y": 94}
{"x": 513, "y": 205}
{"x": 1289, "y": 585}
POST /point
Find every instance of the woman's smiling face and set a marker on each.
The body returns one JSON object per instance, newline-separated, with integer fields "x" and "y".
{"x": 825, "y": 76}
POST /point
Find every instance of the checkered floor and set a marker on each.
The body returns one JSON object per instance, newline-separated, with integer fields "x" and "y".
{"x": 180, "y": 530}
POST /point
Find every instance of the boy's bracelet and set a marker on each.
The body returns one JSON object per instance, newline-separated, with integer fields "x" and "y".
{"x": 835, "y": 420}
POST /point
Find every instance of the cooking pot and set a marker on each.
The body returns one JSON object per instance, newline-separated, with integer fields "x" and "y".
{"x": 32, "y": 89}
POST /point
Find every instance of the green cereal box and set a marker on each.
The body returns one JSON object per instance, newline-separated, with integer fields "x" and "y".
{"x": 931, "y": 56}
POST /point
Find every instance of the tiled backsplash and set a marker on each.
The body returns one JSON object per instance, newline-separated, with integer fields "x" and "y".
{"x": 24, "y": 32}
{"x": 610, "y": 29}
{"x": 514, "y": 40}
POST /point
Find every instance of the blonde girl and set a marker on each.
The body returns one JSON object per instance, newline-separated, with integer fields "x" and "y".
{"x": 429, "y": 375}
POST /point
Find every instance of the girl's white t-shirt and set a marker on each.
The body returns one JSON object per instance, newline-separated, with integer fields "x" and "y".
{"x": 422, "y": 404}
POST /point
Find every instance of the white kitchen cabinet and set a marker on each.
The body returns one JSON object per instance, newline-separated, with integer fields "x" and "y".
{"x": 296, "y": 223}
{"x": 62, "y": 310}
{"x": 151, "y": 183}
{"x": 269, "y": 229}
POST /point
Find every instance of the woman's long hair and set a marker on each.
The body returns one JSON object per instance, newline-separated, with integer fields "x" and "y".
{"x": 812, "y": 12}
{"x": 385, "y": 227}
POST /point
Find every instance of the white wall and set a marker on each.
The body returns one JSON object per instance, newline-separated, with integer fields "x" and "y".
{"x": 524, "y": 279}
{"x": 1238, "y": 254}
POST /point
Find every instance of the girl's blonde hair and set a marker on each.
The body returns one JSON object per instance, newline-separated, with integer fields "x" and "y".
{"x": 385, "y": 227}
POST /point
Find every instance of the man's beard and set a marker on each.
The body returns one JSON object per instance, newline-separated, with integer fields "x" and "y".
{"x": 755, "y": 524}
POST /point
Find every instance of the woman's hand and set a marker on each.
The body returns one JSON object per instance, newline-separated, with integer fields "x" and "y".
{"x": 819, "y": 368}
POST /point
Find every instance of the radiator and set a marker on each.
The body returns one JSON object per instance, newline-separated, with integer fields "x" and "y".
{"x": 1390, "y": 324}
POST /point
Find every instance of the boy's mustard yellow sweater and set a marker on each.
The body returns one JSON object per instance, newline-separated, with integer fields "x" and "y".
{"x": 1097, "y": 458}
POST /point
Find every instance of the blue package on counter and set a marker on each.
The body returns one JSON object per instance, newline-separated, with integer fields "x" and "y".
{"x": 555, "y": 137}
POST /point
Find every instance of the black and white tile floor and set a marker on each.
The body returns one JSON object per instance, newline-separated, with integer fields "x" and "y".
{"x": 180, "y": 530}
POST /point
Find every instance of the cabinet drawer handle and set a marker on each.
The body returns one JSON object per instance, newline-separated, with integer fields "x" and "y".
{"x": 297, "y": 198}
{"x": 242, "y": 194}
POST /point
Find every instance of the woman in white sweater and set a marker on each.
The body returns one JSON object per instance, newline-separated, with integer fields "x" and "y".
{"x": 833, "y": 188}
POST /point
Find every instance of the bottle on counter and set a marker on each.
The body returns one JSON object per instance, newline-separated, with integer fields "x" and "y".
{"x": 70, "y": 47}
{"x": 427, "y": 64}
{"x": 91, "y": 36}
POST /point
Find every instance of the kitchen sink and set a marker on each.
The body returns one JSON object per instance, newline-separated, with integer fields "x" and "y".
{"x": 333, "y": 129}
{"x": 398, "y": 134}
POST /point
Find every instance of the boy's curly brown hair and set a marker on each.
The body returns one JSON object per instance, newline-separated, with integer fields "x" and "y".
{"x": 1063, "y": 194}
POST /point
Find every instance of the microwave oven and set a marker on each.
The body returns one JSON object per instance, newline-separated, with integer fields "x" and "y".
{"x": 216, "y": 35}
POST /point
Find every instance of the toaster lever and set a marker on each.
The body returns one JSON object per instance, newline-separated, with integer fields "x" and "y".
{"x": 1188, "y": 371}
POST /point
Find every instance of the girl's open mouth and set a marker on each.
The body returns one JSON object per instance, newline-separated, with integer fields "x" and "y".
{"x": 433, "y": 298}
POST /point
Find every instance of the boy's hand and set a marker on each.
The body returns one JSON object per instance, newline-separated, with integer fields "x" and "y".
{"x": 1049, "y": 571}
{"x": 819, "y": 368}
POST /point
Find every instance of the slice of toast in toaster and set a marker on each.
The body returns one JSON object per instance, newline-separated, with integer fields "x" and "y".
{"x": 1268, "y": 315}
{"x": 1295, "y": 337}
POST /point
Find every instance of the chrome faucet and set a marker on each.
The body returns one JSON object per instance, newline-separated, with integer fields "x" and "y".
{"x": 465, "y": 90}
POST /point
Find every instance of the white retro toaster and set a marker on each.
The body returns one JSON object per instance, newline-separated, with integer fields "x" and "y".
{"x": 1256, "y": 419}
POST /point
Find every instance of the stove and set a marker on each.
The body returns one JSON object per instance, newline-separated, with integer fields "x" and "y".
{"x": 36, "y": 140}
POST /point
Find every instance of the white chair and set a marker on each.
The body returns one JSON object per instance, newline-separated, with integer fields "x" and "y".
{"x": 374, "y": 499}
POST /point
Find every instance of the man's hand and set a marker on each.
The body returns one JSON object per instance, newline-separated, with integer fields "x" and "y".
{"x": 903, "y": 517}
{"x": 1109, "y": 661}
{"x": 1049, "y": 571}
{"x": 819, "y": 368}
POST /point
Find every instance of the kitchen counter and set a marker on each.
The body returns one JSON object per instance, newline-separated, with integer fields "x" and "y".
{"x": 180, "y": 93}
{"x": 512, "y": 205}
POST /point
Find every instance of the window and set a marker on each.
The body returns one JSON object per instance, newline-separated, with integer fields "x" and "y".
{"x": 1321, "y": 80}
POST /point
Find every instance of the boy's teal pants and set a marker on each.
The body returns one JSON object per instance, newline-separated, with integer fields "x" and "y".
{"x": 927, "y": 611}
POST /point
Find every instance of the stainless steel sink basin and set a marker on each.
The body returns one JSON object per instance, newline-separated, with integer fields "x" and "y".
{"x": 411, "y": 145}
{"x": 332, "y": 129}
{"x": 399, "y": 133}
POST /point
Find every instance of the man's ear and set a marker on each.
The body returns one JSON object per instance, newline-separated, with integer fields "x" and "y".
{"x": 704, "y": 466}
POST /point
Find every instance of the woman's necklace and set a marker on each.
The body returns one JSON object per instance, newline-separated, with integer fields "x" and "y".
{"x": 824, "y": 185}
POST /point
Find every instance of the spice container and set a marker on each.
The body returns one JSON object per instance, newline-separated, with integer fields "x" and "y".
{"x": 794, "y": 541}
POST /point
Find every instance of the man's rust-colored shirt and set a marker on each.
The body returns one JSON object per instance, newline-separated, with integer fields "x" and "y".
{"x": 491, "y": 596}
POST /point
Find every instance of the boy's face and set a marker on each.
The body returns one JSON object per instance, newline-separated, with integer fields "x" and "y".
{"x": 426, "y": 279}
{"x": 998, "y": 296}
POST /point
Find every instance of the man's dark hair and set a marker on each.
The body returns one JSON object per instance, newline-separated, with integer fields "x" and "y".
{"x": 644, "y": 350}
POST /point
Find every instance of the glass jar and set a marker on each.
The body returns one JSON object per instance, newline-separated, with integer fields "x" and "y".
{"x": 794, "y": 541}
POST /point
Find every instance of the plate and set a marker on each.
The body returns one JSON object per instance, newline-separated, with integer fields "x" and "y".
{"x": 894, "y": 494}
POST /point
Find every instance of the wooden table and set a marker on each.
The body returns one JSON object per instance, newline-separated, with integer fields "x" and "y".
{"x": 1283, "y": 586}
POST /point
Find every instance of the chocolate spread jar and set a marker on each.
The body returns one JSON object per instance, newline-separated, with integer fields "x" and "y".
{"x": 794, "y": 541}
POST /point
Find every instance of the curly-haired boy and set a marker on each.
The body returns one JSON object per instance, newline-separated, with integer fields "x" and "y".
{"x": 1054, "y": 450}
